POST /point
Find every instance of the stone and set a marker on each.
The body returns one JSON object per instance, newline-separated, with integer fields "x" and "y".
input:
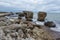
{"x": 6, "y": 31}
{"x": 26, "y": 30}
{"x": 3, "y": 14}
{"x": 41, "y": 16}
{"x": 58, "y": 39}
{"x": 3, "y": 18}
{"x": 50, "y": 24}
{"x": 17, "y": 21}
{"x": 20, "y": 15}
{"x": 20, "y": 32}
{"x": 28, "y": 19}
{"x": 3, "y": 23}
{"x": 42, "y": 34}
{"x": 28, "y": 15}
{"x": 13, "y": 35}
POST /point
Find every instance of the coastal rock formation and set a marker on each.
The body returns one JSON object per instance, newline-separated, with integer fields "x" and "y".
{"x": 28, "y": 15}
{"x": 21, "y": 29}
{"x": 50, "y": 24}
{"x": 41, "y": 16}
{"x": 27, "y": 31}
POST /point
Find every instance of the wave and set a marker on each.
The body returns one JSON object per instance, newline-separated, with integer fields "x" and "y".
{"x": 57, "y": 28}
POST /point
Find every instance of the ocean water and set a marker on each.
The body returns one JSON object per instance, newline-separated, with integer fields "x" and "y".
{"x": 51, "y": 16}
{"x": 55, "y": 17}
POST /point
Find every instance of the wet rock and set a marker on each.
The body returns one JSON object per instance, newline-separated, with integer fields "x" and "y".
{"x": 28, "y": 15}
{"x": 50, "y": 24}
{"x": 41, "y": 16}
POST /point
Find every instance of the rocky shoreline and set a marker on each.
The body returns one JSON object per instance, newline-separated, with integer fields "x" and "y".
{"x": 25, "y": 29}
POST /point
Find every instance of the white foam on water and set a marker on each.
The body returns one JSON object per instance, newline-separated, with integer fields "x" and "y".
{"x": 39, "y": 23}
{"x": 57, "y": 28}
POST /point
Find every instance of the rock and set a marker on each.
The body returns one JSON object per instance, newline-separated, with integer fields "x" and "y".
{"x": 18, "y": 21}
{"x": 20, "y": 32}
{"x": 1, "y": 34}
{"x": 58, "y": 39}
{"x": 41, "y": 34}
{"x": 15, "y": 21}
{"x": 6, "y": 31}
{"x": 13, "y": 35}
{"x": 20, "y": 15}
{"x": 28, "y": 19}
{"x": 50, "y": 24}
{"x": 3, "y": 14}
{"x": 3, "y": 18}
{"x": 3, "y": 23}
{"x": 28, "y": 15}
{"x": 42, "y": 16}
{"x": 26, "y": 30}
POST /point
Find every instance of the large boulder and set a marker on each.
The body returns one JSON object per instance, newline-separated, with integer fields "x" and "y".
{"x": 28, "y": 15}
{"x": 50, "y": 24}
{"x": 20, "y": 15}
{"x": 41, "y": 16}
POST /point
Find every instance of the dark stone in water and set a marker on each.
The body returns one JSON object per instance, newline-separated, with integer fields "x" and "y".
{"x": 50, "y": 24}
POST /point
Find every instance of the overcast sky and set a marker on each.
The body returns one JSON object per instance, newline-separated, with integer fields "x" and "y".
{"x": 31, "y": 5}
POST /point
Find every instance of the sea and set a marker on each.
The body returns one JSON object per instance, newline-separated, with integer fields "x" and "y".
{"x": 55, "y": 17}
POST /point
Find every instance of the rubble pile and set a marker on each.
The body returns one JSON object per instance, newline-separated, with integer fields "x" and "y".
{"x": 24, "y": 31}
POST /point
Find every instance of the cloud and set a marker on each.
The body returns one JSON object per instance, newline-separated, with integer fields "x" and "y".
{"x": 32, "y": 5}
